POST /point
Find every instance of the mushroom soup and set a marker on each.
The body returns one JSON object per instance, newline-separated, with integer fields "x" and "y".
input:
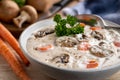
{"x": 95, "y": 48}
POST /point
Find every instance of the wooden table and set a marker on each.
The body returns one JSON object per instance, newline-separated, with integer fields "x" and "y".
{"x": 6, "y": 72}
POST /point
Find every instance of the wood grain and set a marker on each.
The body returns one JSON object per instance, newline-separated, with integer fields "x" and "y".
{"x": 6, "y": 72}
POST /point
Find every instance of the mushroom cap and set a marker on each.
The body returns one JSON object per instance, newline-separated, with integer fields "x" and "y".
{"x": 42, "y": 5}
{"x": 31, "y": 12}
{"x": 8, "y": 10}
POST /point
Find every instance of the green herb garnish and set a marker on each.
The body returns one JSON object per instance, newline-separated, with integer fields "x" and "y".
{"x": 62, "y": 30}
{"x": 71, "y": 20}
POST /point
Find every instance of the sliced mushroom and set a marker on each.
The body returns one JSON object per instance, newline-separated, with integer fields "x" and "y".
{"x": 97, "y": 35}
{"x": 28, "y": 14}
{"x": 106, "y": 45}
{"x": 97, "y": 51}
{"x": 44, "y": 32}
{"x": 115, "y": 35}
{"x": 100, "y": 51}
{"x": 82, "y": 37}
{"x": 66, "y": 41}
{"x": 102, "y": 43}
{"x": 63, "y": 58}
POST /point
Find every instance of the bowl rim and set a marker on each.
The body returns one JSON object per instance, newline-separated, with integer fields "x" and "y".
{"x": 73, "y": 70}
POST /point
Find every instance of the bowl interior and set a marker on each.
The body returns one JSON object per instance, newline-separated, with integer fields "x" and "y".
{"x": 28, "y": 31}
{"x": 36, "y": 26}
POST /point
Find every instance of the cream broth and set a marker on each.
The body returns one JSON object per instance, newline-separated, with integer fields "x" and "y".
{"x": 81, "y": 51}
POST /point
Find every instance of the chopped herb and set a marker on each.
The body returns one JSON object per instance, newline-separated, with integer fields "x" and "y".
{"x": 75, "y": 30}
{"x": 62, "y": 30}
{"x": 71, "y": 20}
{"x": 57, "y": 18}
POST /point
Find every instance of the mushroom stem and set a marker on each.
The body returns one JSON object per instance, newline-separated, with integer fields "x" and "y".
{"x": 23, "y": 17}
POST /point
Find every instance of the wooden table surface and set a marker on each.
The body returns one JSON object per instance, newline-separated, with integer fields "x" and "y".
{"x": 6, "y": 72}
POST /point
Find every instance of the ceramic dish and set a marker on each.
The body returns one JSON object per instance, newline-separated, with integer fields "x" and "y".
{"x": 58, "y": 73}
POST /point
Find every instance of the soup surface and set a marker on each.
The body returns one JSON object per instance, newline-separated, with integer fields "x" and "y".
{"x": 95, "y": 48}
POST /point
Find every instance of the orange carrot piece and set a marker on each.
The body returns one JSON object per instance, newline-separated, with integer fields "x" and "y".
{"x": 6, "y": 35}
{"x": 12, "y": 60}
{"x": 84, "y": 46}
{"x": 92, "y": 61}
{"x": 117, "y": 43}
{"x": 82, "y": 24}
{"x": 45, "y": 48}
{"x": 92, "y": 64}
{"x": 95, "y": 28}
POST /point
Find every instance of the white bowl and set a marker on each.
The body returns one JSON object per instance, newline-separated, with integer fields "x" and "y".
{"x": 58, "y": 73}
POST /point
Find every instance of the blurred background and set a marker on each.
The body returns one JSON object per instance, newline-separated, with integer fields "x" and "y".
{"x": 16, "y": 15}
{"x": 107, "y": 9}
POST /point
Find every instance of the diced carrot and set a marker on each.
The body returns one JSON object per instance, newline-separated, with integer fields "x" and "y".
{"x": 82, "y": 24}
{"x": 92, "y": 64}
{"x": 6, "y": 35}
{"x": 84, "y": 46}
{"x": 92, "y": 61}
{"x": 95, "y": 28}
{"x": 13, "y": 61}
{"x": 117, "y": 43}
{"x": 45, "y": 47}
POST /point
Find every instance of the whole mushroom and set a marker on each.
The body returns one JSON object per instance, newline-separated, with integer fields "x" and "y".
{"x": 8, "y": 10}
{"x": 27, "y": 14}
{"x": 42, "y": 5}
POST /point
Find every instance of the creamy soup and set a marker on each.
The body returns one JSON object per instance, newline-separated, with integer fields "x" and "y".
{"x": 92, "y": 49}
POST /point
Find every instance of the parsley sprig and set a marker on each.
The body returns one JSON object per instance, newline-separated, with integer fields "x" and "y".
{"x": 62, "y": 30}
